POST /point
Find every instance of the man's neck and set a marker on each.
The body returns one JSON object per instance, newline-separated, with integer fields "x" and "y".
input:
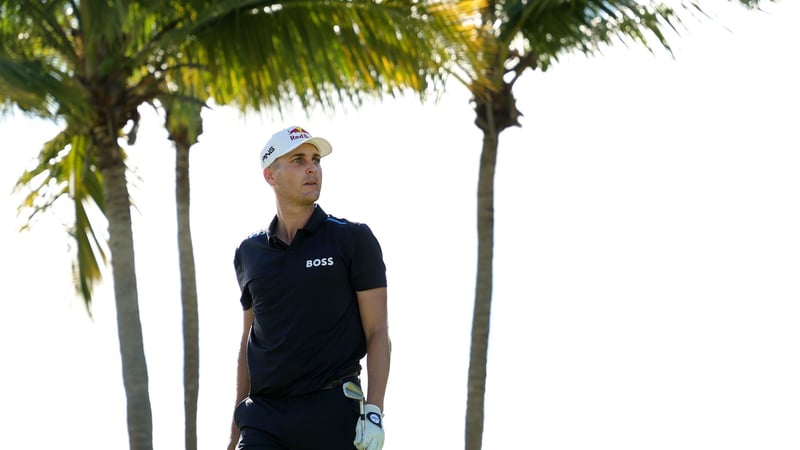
{"x": 291, "y": 219}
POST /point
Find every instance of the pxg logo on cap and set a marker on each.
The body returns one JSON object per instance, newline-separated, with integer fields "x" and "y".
{"x": 288, "y": 139}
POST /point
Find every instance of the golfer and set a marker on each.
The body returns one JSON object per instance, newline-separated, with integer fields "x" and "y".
{"x": 314, "y": 299}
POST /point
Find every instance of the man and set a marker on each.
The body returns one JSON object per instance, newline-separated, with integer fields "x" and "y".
{"x": 315, "y": 303}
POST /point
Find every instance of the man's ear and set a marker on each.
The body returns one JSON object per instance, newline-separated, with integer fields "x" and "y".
{"x": 269, "y": 176}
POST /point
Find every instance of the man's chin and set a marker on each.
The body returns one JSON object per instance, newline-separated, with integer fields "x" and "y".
{"x": 310, "y": 199}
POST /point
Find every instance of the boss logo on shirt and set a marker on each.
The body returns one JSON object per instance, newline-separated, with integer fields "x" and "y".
{"x": 319, "y": 262}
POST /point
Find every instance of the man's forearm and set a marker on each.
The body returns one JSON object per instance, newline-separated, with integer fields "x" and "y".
{"x": 379, "y": 349}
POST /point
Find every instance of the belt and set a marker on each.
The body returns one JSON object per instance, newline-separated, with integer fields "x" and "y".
{"x": 340, "y": 381}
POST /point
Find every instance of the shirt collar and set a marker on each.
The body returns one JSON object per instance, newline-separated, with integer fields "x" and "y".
{"x": 316, "y": 219}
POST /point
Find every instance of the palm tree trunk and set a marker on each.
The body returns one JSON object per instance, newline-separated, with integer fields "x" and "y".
{"x": 191, "y": 346}
{"x": 483, "y": 291}
{"x": 129, "y": 327}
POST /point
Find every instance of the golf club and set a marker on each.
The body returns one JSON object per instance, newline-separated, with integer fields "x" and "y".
{"x": 352, "y": 390}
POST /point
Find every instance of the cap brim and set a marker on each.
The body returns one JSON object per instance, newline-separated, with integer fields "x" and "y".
{"x": 322, "y": 145}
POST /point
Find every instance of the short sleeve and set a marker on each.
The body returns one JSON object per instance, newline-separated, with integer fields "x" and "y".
{"x": 367, "y": 269}
{"x": 245, "y": 299}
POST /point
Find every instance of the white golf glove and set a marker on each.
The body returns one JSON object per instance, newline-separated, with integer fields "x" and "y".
{"x": 369, "y": 433}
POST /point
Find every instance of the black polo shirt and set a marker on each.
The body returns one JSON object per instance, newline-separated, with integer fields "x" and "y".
{"x": 307, "y": 327}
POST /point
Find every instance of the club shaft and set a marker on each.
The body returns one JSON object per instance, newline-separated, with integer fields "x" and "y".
{"x": 363, "y": 418}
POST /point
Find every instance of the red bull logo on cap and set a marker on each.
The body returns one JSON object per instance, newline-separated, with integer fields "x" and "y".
{"x": 298, "y": 133}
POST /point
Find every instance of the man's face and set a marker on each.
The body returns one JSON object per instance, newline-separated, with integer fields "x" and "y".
{"x": 297, "y": 175}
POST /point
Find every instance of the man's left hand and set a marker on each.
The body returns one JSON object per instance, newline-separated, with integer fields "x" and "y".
{"x": 370, "y": 436}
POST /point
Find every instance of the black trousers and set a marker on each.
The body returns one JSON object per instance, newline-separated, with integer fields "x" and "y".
{"x": 324, "y": 420}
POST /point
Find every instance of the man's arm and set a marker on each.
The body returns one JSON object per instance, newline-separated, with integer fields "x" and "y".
{"x": 242, "y": 374}
{"x": 374, "y": 320}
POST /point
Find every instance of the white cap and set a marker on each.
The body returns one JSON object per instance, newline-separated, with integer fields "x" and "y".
{"x": 288, "y": 139}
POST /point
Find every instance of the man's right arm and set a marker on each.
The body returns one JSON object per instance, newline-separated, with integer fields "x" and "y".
{"x": 242, "y": 374}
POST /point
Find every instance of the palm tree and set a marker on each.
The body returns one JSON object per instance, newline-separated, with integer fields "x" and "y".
{"x": 512, "y": 36}
{"x": 184, "y": 125}
{"x": 89, "y": 65}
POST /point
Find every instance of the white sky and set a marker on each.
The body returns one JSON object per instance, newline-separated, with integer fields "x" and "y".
{"x": 646, "y": 267}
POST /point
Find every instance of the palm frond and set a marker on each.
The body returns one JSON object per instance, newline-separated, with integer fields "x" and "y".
{"x": 65, "y": 171}
{"x": 286, "y": 50}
